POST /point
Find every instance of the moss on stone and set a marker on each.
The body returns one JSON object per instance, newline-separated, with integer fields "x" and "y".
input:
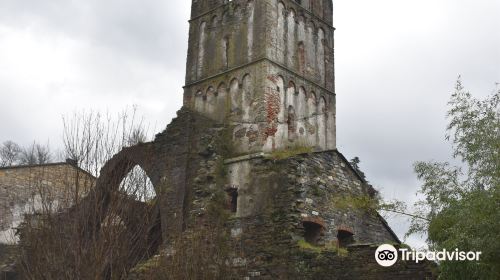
{"x": 328, "y": 248}
{"x": 141, "y": 270}
{"x": 287, "y": 153}
{"x": 361, "y": 202}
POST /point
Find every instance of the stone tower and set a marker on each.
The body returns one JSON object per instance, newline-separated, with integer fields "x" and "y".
{"x": 266, "y": 69}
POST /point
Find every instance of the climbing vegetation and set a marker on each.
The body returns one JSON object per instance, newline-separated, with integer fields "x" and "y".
{"x": 461, "y": 204}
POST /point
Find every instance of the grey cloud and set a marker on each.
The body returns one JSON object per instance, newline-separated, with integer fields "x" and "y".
{"x": 151, "y": 29}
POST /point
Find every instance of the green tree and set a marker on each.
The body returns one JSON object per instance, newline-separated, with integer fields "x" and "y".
{"x": 462, "y": 204}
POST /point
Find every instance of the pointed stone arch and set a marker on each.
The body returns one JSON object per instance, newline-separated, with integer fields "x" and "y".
{"x": 137, "y": 185}
{"x": 222, "y": 106}
{"x": 199, "y": 102}
{"x": 311, "y": 103}
{"x": 214, "y": 21}
{"x": 131, "y": 219}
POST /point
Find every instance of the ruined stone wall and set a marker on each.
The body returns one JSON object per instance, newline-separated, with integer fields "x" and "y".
{"x": 276, "y": 197}
{"x": 34, "y": 188}
{"x": 305, "y": 113}
{"x": 192, "y": 161}
{"x": 312, "y": 184}
{"x": 266, "y": 202}
{"x": 277, "y": 193}
{"x": 268, "y": 108}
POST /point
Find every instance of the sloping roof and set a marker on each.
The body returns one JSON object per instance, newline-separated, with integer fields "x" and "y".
{"x": 48, "y": 165}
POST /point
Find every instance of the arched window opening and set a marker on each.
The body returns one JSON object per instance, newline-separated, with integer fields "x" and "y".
{"x": 138, "y": 185}
{"x": 247, "y": 97}
{"x": 214, "y": 21}
{"x": 321, "y": 55}
{"x": 132, "y": 218}
{"x": 232, "y": 199}
{"x": 235, "y": 97}
{"x": 345, "y": 237}
{"x": 292, "y": 123}
{"x": 312, "y": 232}
{"x": 323, "y": 108}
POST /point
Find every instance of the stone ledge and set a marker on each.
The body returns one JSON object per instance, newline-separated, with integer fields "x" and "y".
{"x": 245, "y": 158}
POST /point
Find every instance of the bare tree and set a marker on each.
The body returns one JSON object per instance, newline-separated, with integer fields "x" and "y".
{"x": 35, "y": 154}
{"x": 108, "y": 233}
{"x": 9, "y": 153}
{"x": 123, "y": 234}
{"x": 92, "y": 138}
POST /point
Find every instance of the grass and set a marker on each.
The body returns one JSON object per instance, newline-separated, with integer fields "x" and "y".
{"x": 330, "y": 247}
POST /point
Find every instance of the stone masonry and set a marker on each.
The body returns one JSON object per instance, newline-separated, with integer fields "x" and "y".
{"x": 24, "y": 189}
{"x": 32, "y": 189}
{"x": 255, "y": 140}
{"x": 265, "y": 68}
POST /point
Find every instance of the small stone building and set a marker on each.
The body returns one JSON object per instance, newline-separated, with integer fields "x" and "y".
{"x": 28, "y": 189}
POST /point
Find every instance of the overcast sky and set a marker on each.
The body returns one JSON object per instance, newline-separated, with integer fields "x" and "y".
{"x": 396, "y": 64}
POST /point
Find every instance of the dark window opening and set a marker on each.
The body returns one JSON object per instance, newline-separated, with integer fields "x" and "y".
{"x": 345, "y": 238}
{"x": 233, "y": 199}
{"x": 312, "y": 232}
{"x": 292, "y": 123}
{"x": 225, "y": 52}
